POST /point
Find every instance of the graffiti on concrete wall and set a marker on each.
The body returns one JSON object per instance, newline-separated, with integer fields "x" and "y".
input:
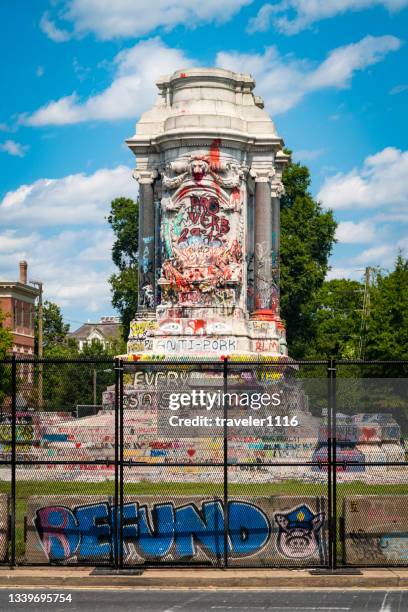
{"x": 177, "y": 345}
{"x": 184, "y": 528}
{"x": 298, "y": 536}
{"x": 24, "y": 435}
{"x": 376, "y": 529}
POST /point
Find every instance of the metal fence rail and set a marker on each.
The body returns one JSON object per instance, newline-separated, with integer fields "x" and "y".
{"x": 124, "y": 487}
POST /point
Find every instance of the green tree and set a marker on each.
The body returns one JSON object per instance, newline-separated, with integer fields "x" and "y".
{"x": 387, "y": 324}
{"x": 54, "y": 329}
{"x": 6, "y": 337}
{"x": 124, "y": 220}
{"x": 337, "y": 320}
{"x": 6, "y": 343}
{"x": 307, "y": 237}
{"x": 68, "y": 384}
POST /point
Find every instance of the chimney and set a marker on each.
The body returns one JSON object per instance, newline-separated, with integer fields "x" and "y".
{"x": 23, "y": 272}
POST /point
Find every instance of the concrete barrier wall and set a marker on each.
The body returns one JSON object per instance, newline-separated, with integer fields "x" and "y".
{"x": 375, "y": 530}
{"x": 4, "y": 520}
{"x": 277, "y": 530}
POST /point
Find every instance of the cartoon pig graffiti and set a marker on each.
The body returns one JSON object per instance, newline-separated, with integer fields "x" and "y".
{"x": 298, "y": 536}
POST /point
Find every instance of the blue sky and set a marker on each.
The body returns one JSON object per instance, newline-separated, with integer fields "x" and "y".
{"x": 77, "y": 74}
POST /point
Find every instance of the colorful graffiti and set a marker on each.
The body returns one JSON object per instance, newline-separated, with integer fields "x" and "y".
{"x": 177, "y": 345}
{"x": 201, "y": 228}
{"x": 299, "y": 528}
{"x": 350, "y": 459}
{"x": 189, "y": 528}
{"x": 24, "y": 435}
{"x": 193, "y": 327}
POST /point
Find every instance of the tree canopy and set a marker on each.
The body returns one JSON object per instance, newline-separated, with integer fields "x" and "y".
{"x": 6, "y": 343}
{"x": 337, "y": 320}
{"x": 124, "y": 220}
{"x": 54, "y": 329}
{"x": 6, "y": 337}
{"x": 307, "y": 238}
{"x": 387, "y": 324}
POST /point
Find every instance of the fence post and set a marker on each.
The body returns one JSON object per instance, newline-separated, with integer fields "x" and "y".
{"x": 121, "y": 439}
{"x": 115, "y": 516}
{"x": 225, "y": 462}
{"x": 332, "y": 371}
{"x": 329, "y": 465}
{"x": 13, "y": 460}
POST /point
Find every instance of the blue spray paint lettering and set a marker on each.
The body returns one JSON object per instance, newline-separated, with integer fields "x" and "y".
{"x": 87, "y": 532}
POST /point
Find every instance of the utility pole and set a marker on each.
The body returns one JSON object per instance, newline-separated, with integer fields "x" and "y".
{"x": 365, "y": 312}
{"x": 94, "y": 375}
{"x": 40, "y": 343}
{"x": 94, "y": 386}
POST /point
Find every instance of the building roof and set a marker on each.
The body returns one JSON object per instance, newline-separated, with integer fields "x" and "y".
{"x": 7, "y": 287}
{"x": 108, "y": 330}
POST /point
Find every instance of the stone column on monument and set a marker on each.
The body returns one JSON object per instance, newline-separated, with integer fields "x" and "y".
{"x": 146, "y": 280}
{"x": 277, "y": 190}
{"x": 263, "y": 280}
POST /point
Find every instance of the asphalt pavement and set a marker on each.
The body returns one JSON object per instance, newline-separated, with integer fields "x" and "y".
{"x": 127, "y": 600}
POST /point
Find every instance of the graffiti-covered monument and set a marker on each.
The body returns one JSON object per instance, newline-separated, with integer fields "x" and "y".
{"x": 209, "y": 166}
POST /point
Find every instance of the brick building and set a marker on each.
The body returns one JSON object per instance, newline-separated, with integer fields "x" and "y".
{"x": 17, "y": 300}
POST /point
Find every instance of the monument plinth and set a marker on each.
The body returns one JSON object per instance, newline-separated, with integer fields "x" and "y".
{"x": 209, "y": 165}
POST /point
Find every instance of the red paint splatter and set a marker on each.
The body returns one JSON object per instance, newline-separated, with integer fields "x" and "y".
{"x": 197, "y": 325}
{"x": 235, "y": 195}
{"x": 368, "y": 432}
{"x": 215, "y": 154}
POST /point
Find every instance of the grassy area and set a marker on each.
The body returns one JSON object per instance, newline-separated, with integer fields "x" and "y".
{"x": 25, "y": 489}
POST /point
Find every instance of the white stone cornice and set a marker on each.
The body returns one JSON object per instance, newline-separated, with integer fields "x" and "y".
{"x": 281, "y": 160}
{"x": 262, "y": 174}
{"x": 145, "y": 176}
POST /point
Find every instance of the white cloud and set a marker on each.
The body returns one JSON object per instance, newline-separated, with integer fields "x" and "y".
{"x": 398, "y": 89}
{"x": 72, "y": 200}
{"x": 134, "y": 18}
{"x": 308, "y": 12}
{"x": 307, "y": 154}
{"x": 11, "y": 241}
{"x": 14, "y": 148}
{"x": 40, "y": 71}
{"x": 71, "y": 278}
{"x": 284, "y": 81}
{"x": 382, "y": 255}
{"x": 70, "y": 249}
{"x": 133, "y": 88}
{"x": 343, "y": 272}
{"x": 52, "y": 31}
{"x": 349, "y": 232}
{"x": 382, "y": 181}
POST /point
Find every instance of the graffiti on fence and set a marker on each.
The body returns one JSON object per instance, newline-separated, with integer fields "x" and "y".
{"x": 187, "y": 528}
{"x": 298, "y": 536}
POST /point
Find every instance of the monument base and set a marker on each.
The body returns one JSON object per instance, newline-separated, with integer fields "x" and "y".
{"x": 206, "y": 337}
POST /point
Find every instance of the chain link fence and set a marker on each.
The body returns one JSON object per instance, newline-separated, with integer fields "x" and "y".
{"x": 222, "y": 463}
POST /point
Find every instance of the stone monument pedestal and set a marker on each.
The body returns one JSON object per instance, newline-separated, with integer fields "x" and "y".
{"x": 209, "y": 167}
